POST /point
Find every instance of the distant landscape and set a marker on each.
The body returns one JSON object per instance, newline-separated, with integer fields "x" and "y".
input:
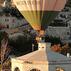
{"x": 22, "y": 44}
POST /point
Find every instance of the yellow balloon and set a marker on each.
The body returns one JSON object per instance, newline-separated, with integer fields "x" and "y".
{"x": 39, "y": 13}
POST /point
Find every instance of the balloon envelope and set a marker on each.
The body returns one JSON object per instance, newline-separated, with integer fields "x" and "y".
{"x": 39, "y": 13}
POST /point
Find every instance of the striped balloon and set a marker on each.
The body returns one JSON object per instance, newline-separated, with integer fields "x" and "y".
{"x": 39, "y": 13}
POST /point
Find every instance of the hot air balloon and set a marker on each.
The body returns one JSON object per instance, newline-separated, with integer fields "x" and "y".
{"x": 39, "y": 13}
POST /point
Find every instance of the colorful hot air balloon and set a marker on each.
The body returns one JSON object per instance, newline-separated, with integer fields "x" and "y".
{"x": 39, "y": 13}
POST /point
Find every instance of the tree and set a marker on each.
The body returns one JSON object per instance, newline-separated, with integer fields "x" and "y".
{"x": 53, "y": 40}
{"x": 4, "y": 44}
{"x": 5, "y": 51}
{"x": 65, "y": 49}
